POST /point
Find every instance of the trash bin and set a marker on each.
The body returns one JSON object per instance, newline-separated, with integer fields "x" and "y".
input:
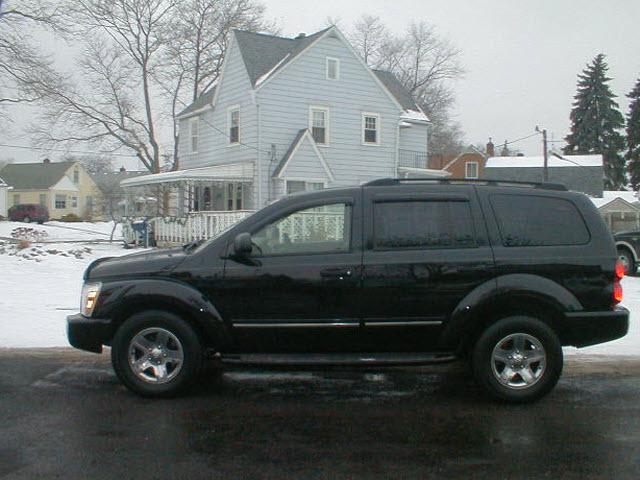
{"x": 141, "y": 232}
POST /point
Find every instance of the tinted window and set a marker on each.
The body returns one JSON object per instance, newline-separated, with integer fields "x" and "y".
{"x": 423, "y": 224}
{"x": 528, "y": 220}
{"x": 322, "y": 229}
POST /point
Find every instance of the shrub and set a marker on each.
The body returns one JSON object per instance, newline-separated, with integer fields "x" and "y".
{"x": 22, "y": 244}
{"x": 70, "y": 217}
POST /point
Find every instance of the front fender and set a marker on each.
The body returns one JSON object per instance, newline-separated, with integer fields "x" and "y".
{"x": 120, "y": 298}
{"x": 508, "y": 288}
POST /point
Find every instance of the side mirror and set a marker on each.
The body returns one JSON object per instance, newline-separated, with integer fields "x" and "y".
{"x": 242, "y": 244}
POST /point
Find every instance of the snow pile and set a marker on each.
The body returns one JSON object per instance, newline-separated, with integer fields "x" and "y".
{"x": 66, "y": 231}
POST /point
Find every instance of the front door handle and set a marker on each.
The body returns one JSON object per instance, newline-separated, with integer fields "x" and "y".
{"x": 339, "y": 273}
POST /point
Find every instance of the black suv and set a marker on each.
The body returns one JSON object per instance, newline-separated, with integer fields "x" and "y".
{"x": 392, "y": 272}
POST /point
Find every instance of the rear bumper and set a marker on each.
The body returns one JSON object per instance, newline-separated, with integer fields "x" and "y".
{"x": 88, "y": 333}
{"x": 590, "y": 328}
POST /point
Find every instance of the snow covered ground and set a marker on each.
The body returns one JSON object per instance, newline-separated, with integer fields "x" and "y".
{"x": 40, "y": 285}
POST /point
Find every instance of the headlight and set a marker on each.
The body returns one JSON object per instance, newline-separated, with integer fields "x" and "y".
{"x": 90, "y": 293}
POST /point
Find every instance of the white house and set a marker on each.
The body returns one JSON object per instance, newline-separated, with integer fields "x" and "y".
{"x": 292, "y": 114}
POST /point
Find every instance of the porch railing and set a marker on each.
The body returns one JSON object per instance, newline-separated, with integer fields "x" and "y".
{"x": 413, "y": 159}
{"x": 194, "y": 226}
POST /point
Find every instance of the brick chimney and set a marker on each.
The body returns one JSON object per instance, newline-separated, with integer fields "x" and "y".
{"x": 122, "y": 169}
{"x": 301, "y": 36}
{"x": 491, "y": 149}
{"x": 46, "y": 161}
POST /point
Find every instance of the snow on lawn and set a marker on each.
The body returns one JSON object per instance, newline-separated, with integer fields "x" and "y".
{"x": 65, "y": 231}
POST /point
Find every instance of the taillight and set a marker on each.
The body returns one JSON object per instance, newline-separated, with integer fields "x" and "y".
{"x": 619, "y": 270}
{"x": 617, "y": 286}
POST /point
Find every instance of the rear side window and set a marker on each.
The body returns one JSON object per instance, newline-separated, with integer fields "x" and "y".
{"x": 534, "y": 221}
{"x": 423, "y": 224}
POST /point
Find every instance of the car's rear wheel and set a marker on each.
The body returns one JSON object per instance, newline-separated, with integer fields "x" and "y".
{"x": 517, "y": 359}
{"x": 26, "y": 219}
{"x": 625, "y": 257}
{"x": 156, "y": 354}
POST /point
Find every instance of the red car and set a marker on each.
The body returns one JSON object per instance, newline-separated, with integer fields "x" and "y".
{"x": 29, "y": 213}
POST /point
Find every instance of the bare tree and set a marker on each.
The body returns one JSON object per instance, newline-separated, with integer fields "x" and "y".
{"x": 19, "y": 57}
{"x": 200, "y": 36}
{"x": 425, "y": 63}
{"x": 368, "y": 37}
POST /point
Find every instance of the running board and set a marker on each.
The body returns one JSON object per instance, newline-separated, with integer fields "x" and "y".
{"x": 338, "y": 359}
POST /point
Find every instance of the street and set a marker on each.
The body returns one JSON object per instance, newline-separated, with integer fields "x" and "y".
{"x": 64, "y": 415}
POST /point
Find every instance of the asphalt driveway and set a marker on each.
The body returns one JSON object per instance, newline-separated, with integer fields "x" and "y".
{"x": 64, "y": 415}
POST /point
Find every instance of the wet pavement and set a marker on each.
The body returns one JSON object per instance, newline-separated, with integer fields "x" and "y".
{"x": 63, "y": 414}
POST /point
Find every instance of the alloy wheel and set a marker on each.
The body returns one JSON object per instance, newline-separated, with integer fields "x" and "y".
{"x": 156, "y": 355}
{"x": 518, "y": 361}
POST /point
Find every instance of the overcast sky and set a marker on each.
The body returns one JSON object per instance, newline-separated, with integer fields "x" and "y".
{"x": 521, "y": 58}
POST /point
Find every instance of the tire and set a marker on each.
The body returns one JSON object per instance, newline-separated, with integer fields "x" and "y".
{"x": 166, "y": 345}
{"x": 26, "y": 220}
{"x": 625, "y": 256}
{"x": 525, "y": 378}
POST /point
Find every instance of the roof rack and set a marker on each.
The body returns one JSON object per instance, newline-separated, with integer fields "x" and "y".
{"x": 385, "y": 182}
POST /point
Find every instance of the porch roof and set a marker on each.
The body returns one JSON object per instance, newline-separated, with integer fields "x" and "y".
{"x": 231, "y": 172}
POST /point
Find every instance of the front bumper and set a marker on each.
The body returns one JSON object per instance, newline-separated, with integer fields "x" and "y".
{"x": 88, "y": 333}
{"x": 590, "y": 328}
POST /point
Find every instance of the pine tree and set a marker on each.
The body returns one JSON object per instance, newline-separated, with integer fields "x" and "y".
{"x": 633, "y": 136}
{"x": 596, "y": 121}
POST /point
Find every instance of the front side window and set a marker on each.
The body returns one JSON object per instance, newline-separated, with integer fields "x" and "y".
{"x": 471, "y": 170}
{"x": 195, "y": 134}
{"x": 322, "y": 229}
{"x": 61, "y": 202}
{"x": 536, "y": 221}
{"x": 333, "y": 68}
{"x": 234, "y": 126}
{"x": 370, "y": 129}
{"x": 422, "y": 225}
{"x": 319, "y": 124}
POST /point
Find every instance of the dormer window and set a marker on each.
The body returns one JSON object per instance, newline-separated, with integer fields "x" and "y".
{"x": 333, "y": 69}
{"x": 76, "y": 176}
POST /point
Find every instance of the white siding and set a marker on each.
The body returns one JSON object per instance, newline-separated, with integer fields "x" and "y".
{"x": 213, "y": 142}
{"x": 305, "y": 165}
{"x": 414, "y": 138}
{"x": 284, "y": 110}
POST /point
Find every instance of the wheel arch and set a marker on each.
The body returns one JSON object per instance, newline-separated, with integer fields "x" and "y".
{"x": 128, "y": 298}
{"x": 511, "y": 295}
{"x": 628, "y": 246}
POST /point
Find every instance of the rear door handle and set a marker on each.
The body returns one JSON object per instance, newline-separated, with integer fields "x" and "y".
{"x": 339, "y": 273}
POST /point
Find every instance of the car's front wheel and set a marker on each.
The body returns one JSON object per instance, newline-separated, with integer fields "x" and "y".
{"x": 517, "y": 359}
{"x": 156, "y": 354}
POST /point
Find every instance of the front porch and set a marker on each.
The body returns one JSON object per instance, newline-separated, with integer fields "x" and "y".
{"x": 192, "y": 204}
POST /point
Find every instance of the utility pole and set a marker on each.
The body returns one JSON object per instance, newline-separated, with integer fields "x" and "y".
{"x": 545, "y": 168}
{"x": 546, "y": 155}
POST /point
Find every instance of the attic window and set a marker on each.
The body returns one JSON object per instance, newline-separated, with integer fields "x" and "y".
{"x": 195, "y": 134}
{"x": 333, "y": 68}
{"x": 76, "y": 176}
{"x": 234, "y": 125}
{"x": 471, "y": 170}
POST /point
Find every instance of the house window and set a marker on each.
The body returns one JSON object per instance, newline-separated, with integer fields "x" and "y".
{"x": 61, "y": 202}
{"x": 234, "y": 125}
{"x": 16, "y": 199}
{"x": 234, "y": 196}
{"x": 76, "y": 176}
{"x": 471, "y": 170}
{"x": 195, "y": 134}
{"x": 319, "y": 125}
{"x": 333, "y": 69}
{"x": 295, "y": 186}
{"x": 43, "y": 199}
{"x": 74, "y": 202}
{"x": 371, "y": 129}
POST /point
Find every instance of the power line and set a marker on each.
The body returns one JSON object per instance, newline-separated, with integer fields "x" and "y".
{"x": 519, "y": 139}
{"x": 64, "y": 150}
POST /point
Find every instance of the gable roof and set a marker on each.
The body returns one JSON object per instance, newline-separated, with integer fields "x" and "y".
{"x": 293, "y": 148}
{"x": 397, "y": 89}
{"x": 34, "y": 176}
{"x": 109, "y": 182}
{"x": 202, "y": 101}
{"x": 265, "y": 54}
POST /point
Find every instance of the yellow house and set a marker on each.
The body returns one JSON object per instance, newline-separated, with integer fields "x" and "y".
{"x": 63, "y": 187}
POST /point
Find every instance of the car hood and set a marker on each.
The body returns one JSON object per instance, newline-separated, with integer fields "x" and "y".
{"x": 157, "y": 262}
